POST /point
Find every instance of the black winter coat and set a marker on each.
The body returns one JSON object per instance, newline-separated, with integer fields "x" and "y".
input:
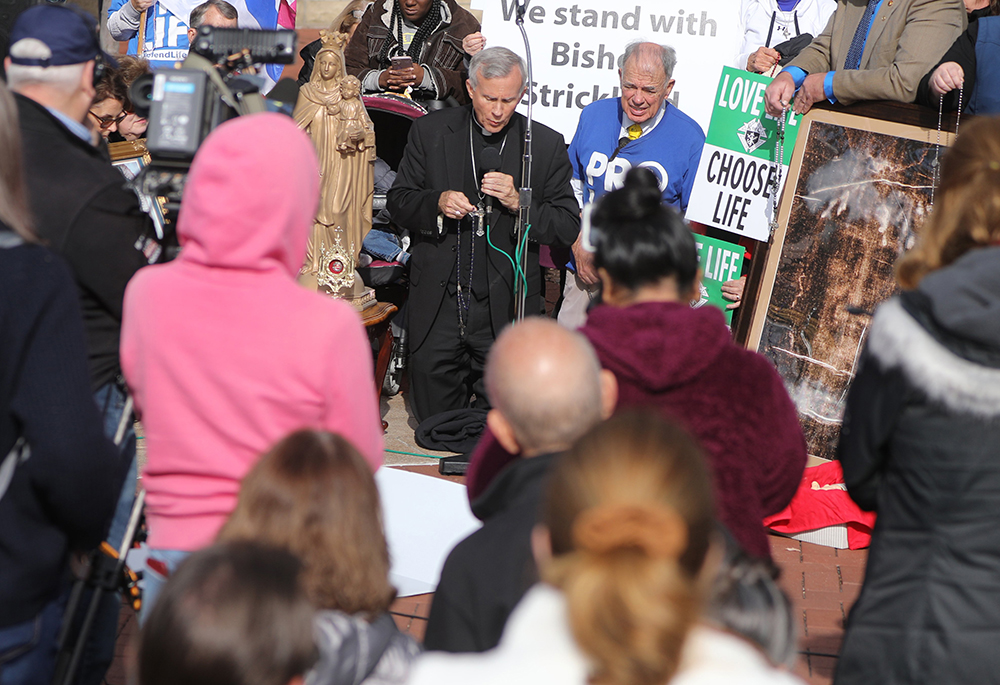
{"x": 84, "y": 213}
{"x": 487, "y": 573}
{"x": 63, "y": 495}
{"x": 920, "y": 445}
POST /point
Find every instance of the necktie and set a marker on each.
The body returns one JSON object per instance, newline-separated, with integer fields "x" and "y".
{"x": 853, "y": 60}
{"x": 634, "y": 131}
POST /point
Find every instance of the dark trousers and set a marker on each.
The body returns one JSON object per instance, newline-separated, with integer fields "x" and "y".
{"x": 447, "y": 368}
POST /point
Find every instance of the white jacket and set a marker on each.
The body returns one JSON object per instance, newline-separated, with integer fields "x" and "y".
{"x": 537, "y": 648}
{"x": 755, "y": 24}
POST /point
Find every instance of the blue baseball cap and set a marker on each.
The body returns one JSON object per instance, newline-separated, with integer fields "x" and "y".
{"x": 69, "y": 32}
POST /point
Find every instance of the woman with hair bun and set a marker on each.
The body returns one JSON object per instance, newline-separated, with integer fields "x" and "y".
{"x": 919, "y": 443}
{"x": 623, "y": 553}
{"x": 682, "y": 360}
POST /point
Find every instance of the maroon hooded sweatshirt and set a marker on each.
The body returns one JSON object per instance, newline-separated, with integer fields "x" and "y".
{"x": 684, "y": 362}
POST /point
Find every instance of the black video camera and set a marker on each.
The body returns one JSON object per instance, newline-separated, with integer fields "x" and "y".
{"x": 216, "y": 82}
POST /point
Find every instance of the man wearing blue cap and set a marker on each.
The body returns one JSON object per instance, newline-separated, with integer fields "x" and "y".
{"x": 79, "y": 203}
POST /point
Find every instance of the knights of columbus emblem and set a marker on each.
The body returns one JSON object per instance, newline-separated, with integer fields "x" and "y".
{"x": 752, "y": 135}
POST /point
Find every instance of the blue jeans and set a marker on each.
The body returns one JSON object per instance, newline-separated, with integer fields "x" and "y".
{"x": 28, "y": 650}
{"x": 385, "y": 245}
{"x": 110, "y": 399}
{"x": 153, "y": 581}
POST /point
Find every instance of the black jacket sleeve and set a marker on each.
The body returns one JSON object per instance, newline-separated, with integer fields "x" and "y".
{"x": 410, "y": 204}
{"x": 101, "y": 245}
{"x": 451, "y": 626}
{"x": 963, "y": 52}
{"x": 874, "y": 403}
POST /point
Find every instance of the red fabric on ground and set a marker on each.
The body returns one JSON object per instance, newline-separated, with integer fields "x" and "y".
{"x": 817, "y": 505}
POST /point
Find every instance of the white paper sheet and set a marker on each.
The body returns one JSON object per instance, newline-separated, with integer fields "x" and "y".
{"x": 424, "y": 517}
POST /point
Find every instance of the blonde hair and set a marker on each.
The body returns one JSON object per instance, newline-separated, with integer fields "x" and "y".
{"x": 349, "y": 16}
{"x": 966, "y": 211}
{"x": 314, "y": 495}
{"x": 13, "y": 195}
{"x": 630, "y": 514}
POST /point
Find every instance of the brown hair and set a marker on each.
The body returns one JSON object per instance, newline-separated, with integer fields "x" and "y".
{"x": 130, "y": 68}
{"x": 112, "y": 86}
{"x": 314, "y": 494}
{"x": 232, "y": 614}
{"x": 630, "y": 514}
{"x": 966, "y": 211}
{"x": 13, "y": 195}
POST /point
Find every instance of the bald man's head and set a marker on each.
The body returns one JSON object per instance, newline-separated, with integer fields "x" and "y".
{"x": 546, "y": 383}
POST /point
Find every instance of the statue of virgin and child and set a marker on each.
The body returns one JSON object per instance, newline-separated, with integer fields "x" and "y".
{"x": 331, "y": 111}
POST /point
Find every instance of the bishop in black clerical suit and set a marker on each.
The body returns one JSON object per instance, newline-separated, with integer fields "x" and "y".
{"x": 462, "y": 268}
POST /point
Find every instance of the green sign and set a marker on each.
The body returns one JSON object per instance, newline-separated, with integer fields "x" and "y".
{"x": 719, "y": 262}
{"x": 739, "y": 122}
{"x": 735, "y": 181}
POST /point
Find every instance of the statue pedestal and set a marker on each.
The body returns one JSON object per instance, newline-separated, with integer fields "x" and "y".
{"x": 358, "y": 295}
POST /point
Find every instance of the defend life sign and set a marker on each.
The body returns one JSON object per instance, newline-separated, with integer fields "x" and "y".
{"x": 577, "y": 48}
{"x": 719, "y": 262}
{"x": 733, "y": 188}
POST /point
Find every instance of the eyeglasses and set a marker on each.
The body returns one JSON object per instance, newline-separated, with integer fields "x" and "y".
{"x": 107, "y": 121}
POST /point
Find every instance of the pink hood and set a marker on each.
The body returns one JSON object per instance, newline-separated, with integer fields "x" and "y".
{"x": 224, "y": 351}
{"x": 274, "y": 212}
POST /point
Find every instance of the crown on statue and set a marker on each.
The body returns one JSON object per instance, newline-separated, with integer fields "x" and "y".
{"x": 333, "y": 40}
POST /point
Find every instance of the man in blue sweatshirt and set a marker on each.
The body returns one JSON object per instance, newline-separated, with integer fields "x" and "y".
{"x": 639, "y": 129}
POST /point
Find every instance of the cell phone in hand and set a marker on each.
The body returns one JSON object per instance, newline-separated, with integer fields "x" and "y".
{"x": 401, "y": 62}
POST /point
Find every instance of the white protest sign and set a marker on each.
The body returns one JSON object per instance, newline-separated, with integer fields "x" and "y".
{"x": 738, "y": 176}
{"x": 576, "y": 46}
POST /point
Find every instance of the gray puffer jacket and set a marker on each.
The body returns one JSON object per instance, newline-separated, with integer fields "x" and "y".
{"x": 353, "y": 651}
{"x": 920, "y": 445}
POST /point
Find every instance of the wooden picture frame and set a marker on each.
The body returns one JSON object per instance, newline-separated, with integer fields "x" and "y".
{"x": 129, "y": 157}
{"x": 858, "y": 189}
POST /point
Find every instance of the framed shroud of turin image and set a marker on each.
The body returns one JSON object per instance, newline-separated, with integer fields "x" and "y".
{"x": 857, "y": 192}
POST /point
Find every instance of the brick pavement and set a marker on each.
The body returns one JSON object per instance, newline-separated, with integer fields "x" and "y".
{"x": 822, "y": 583}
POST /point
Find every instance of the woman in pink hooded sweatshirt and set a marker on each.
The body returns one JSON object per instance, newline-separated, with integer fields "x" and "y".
{"x": 224, "y": 353}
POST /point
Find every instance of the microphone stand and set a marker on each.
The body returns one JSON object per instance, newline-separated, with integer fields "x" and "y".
{"x": 523, "y": 216}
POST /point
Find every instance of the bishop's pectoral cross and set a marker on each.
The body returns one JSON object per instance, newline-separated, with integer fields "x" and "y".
{"x": 477, "y": 217}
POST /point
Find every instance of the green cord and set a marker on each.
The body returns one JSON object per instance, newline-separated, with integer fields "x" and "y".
{"x": 488, "y": 240}
{"x": 518, "y": 252}
{"x": 414, "y": 454}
